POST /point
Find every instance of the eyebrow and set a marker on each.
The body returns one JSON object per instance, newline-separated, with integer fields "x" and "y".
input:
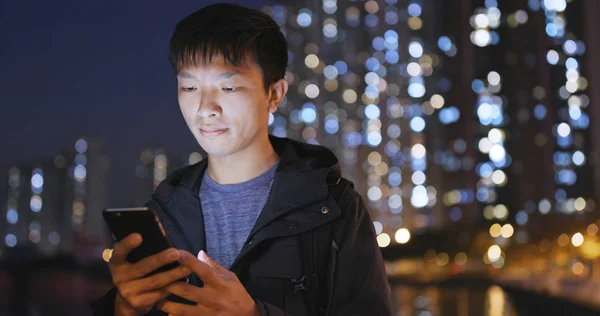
{"x": 221, "y": 76}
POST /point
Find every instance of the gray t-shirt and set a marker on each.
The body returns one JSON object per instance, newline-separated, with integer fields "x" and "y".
{"x": 230, "y": 212}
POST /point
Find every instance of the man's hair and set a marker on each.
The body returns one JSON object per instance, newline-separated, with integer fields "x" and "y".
{"x": 235, "y": 32}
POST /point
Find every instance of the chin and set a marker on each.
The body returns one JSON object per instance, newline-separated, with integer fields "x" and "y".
{"x": 215, "y": 153}
{"x": 215, "y": 150}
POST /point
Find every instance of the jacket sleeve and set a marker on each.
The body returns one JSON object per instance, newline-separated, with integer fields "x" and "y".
{"x": 267, "y": 309}
{"x": 361, "y": 285}
{"x": 105, "y": 306}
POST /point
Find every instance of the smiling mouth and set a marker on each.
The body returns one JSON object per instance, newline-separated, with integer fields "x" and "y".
{"x": 213, "y": 132}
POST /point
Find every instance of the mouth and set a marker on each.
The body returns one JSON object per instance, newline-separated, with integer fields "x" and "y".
{"x": 210, "y": 132}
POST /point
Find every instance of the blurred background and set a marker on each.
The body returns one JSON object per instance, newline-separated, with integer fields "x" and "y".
{"x": 465, "y": 125}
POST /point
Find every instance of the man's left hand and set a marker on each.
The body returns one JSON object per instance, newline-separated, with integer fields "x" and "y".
{"x": 222, "y": 294}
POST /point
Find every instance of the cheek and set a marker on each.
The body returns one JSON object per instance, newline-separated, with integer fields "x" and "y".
{"x": 187, "y": 111}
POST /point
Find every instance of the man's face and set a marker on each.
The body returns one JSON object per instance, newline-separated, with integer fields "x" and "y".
{"x": 226, "y": 107}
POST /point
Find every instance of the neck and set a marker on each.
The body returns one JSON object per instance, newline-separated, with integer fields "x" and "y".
{"x": 244, "y": 165}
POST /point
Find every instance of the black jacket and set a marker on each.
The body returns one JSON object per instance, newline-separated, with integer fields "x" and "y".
{"x": 272, "y": 254}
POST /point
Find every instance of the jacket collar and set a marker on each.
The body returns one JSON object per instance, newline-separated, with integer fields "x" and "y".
{"x": 300, "y": 177}
{"x": 300, "y": 180}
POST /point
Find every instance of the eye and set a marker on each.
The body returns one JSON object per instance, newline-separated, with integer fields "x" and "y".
{"x": 230, "y": 89}
{"x": 188, "y": 89}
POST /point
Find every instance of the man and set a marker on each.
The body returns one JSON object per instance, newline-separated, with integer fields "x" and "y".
{"x": 265, "y": 225}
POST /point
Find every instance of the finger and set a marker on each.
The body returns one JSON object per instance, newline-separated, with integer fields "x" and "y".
{"x": 124, "y": 247}
{"x": 173, "y": 308}
{"x": 144, "y": 302}
{"x": 203, "y": 256}
{"x": 151, "y": 263}
{"x": 203, "y": 296}
{"x": 159, "y": 280}
{"x": 204, "y": 271}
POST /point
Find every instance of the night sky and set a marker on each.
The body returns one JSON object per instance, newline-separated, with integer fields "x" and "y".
{"x": 90, "y": 68}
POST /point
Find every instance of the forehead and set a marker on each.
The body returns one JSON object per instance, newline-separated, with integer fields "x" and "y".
{"x": 218, "y": 65}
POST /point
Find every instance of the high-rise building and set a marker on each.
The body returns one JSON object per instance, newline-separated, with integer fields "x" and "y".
{"x": 533, "y": 116}
{"x": 55, "y": 206}
{"x": 518, "y": 76}
{"x": 362, "y": 74}
{"x": 153, "y": 166}
{"x": 446, "y": 115}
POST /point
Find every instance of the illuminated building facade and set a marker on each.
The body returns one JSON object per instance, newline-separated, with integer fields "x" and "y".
{"x": 446, "y": 115}
{"x": 153, "y": 166}
{"x": 55, "y": 207}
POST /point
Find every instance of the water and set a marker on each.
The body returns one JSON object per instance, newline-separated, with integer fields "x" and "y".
{"x": 451, "y": 301}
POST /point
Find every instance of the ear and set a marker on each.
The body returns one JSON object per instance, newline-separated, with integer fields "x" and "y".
{"x": 277, "y": 92}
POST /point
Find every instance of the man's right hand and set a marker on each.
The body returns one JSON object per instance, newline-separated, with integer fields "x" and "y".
{"x": 137, "y": 294}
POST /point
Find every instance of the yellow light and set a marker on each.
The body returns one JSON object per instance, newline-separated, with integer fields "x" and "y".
{"x": 330, "y": 21}
{"x": 580, "y": 204}
{"x": 507, "y": 231}
{"x": 563, "y": 240}
{"x": 415, "y": 23}
{"x": 572, "y": 86}
{"x": 495, "y": 135}
{"x": 331, "y": 85}
{"x": 592, "y": 229}
{"x": 107, "y": 254}
{"x": 366, "y": 100}
{"x": 460, "y": 258}
{"x": 494, "y": 253}
{"x": 402, "y": 236}
{"x": 512, "y": 21}
{"x": 437, "y": 101}
{"x": 500, "y": 211}
{"x": 495, "y": 230}
{"x": 372, "y": 6}
{"x": 451, "y": 198}
{"x": 382, "y": 169}
{"x": 78, "y": 208}
{"x": 349, "y": 96}
{"x": 578, "y": 268}
{"x": 577, "y": 240}
{"x": 383, "y": 240}
{"x": 442, "y": 259}
{"x": 311, "y": 61}
{"x": 374, "y": 158}
{"x": 499, "y": 177}
{"x": 485, "y": 145}
{"x": 583, "y": 83}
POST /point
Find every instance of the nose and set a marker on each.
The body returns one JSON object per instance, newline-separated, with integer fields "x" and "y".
{"x": 209, "y": 107}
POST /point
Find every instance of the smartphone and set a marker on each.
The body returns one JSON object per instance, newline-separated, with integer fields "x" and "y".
{"x": 125, "y": 221}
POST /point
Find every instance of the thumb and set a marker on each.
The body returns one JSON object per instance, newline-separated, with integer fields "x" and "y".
{"x": 213, "y": 264}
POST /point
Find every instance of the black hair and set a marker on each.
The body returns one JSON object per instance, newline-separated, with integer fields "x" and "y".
{"x": 234, "y": 31}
